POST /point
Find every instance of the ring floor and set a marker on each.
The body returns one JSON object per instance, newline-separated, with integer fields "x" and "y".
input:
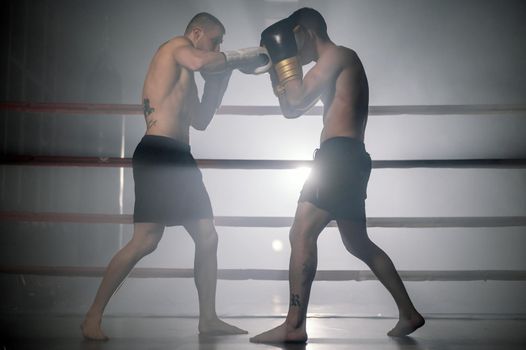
{"x": 156, "y": 333}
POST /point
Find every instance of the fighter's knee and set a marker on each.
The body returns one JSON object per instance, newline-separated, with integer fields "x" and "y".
{"x": 294, "y": 235}
{"x": 360, "y": 248}
{"x": 208, "y": 239}
{"x": 150, "y": 246}
{"x": 144, "y": 246}
{"x": 298, "y": 235}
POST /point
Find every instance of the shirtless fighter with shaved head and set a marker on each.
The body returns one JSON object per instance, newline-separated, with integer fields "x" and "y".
{"x": 168, "y": 185}
{"x": 336, "y": 189}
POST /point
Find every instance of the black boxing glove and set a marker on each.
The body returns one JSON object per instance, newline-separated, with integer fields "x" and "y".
{"x": 280, "y": 42}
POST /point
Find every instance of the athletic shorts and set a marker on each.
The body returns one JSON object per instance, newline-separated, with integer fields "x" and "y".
{"x": 339, "y": 177}
{"x": 169, "y": 188}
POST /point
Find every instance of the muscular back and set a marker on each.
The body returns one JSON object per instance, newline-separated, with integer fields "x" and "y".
{"x": 169, "y": 94}
{"x": 346, "y": 98}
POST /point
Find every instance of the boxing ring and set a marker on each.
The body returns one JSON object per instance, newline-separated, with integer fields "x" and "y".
{"x": 130, "y": 110}
{"x": 133, "y": 111}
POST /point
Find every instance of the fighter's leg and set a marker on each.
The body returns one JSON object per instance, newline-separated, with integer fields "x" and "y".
{"x": 145, "y": 238}
{"x": 357, "y": 242}
{"x": 205, "y": 238}
{"x": 308, "y": 223}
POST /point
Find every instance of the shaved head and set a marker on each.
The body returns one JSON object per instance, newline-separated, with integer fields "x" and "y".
{"x": 205, "y": 21}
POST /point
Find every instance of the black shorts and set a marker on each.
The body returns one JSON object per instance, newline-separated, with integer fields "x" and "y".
{"x": 339, "y": 177}
{"x": 169, "y": 187}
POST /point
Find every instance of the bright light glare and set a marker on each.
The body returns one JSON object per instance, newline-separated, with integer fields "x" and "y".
{"x": 277, "y": 245}
{"x": 302, "y": 173}
{"x": 295, "y": 178}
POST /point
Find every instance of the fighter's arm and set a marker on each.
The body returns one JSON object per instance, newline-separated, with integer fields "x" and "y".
{"x": 194, "y": 59}
{"x": 213, "y": 92}
{"x": 297, "y": 96}
{"x": 212, "y": 66}
{"x": 216, "y": 68}
{"x": 255, "y": 58}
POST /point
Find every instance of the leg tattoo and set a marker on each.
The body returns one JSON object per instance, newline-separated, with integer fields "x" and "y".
{"x": 295, "y": 300}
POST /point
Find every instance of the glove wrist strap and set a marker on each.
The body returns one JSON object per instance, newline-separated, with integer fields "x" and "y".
{"x": 288, "y": 69}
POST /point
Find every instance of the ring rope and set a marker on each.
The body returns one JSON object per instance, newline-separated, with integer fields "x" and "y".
{"x": 137, "y": 109}
{"x": 275, "y": 221}
{"x": 29, "y": 160}
{"x": 273, "y": 275}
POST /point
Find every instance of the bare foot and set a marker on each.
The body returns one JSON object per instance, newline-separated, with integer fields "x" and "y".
{"x": 91, "y": 329}
{"x": 281, "y": 334}
{"x": 406, "y": 326}
{"x": 218, "y": 327}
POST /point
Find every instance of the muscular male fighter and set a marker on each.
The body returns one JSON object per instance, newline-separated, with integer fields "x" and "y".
{"x": 337, "y": 186}
{"x": 168, "y": 185}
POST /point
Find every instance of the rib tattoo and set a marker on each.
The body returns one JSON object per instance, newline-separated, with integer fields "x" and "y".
{"x": 147, "y": 108}
{"x": 150, "y": 123}
{"x": 147, "y": 111}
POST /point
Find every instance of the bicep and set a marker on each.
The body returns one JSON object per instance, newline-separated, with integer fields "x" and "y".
{"x": 196, "y": 60}
{"x": 189, "y": 57}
